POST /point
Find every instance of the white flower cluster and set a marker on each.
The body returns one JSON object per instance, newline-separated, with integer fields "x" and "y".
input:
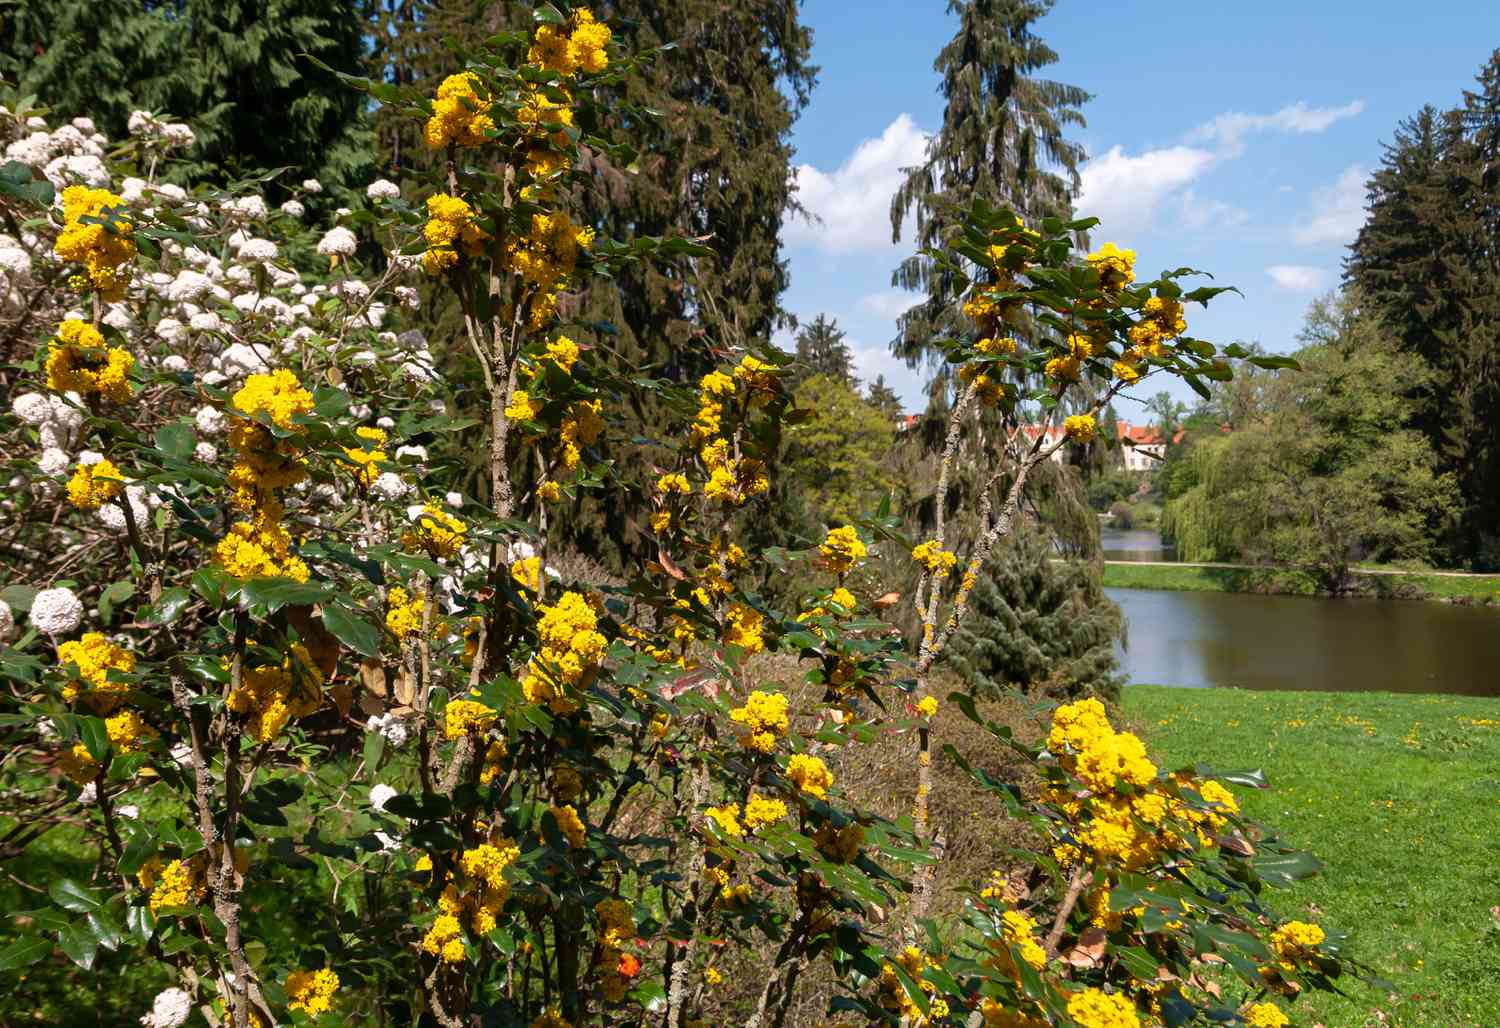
{"x": 170, "y": 1009}
{"x": 167, "y": 134}
{"x": 68, "y": 154}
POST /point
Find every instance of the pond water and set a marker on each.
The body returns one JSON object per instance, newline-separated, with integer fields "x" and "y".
{"x": 1305, "y": 642}
{"x": 1134, "y": 544}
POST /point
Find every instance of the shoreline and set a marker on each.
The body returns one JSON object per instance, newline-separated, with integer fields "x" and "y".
{"x": 1381, "y": 583}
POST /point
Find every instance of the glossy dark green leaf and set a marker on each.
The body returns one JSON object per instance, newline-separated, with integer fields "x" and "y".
{"x": 168, "y": 608}
{"x": 69, "y": 895}
{"x": 79, "y": 943}
{"x": 176, "y": 440}
{"x": 137, "y": 851}
{"x": 24, "y": 952}
{"x": 354, "y": 632}
{"x": 95, "y": 736}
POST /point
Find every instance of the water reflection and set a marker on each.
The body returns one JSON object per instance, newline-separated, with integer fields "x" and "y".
{"x": 1296, "y": 642}
{"x": 1134, "y": 544}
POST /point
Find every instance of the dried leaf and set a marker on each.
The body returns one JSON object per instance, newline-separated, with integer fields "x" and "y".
{"x": 669, "y": 567}
{"x": 343, "y": 697}
{"x": 372, "y": 673}
{"x": 406, "y": 687}
{"x": 322, "y": 646}
{"x": 887, "y": 600}
{"x": 1089, "y": 950}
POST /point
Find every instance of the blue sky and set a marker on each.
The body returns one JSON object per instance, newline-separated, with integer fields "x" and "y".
{"x": 1230, "y": 137}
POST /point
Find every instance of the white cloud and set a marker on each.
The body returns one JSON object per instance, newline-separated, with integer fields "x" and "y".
{"x": 854, "y": 201}
{"x": 1124, "y": 192}
{"x": 872, "y": 361}
{"x": 1229, "y": 130}
{"x": 1338, "y": 210}
{"x": 1297, "y": 278}
{"x": 1197, "y": 213}
{"x": 889, "y": 304}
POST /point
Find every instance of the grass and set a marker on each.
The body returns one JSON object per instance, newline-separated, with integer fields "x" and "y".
{"x": 1400, "y": 797}
{"x": 1183, "y": 578}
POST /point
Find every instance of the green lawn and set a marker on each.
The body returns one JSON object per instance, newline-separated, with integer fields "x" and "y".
{"x": 1400, "y": 797}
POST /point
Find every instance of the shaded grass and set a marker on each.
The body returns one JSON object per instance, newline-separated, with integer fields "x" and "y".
{"x": 1400, "y": 797}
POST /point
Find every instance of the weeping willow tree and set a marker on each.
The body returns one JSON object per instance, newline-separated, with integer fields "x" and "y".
{"x": 1198, "y": 522}
{"x": 1002, "y": 141}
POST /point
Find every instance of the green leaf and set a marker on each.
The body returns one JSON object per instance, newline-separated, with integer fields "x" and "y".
{"x": 19, "y": 597}
{"x": 275, "y": 593}
{"x": 168, "y": 608}
{"x": 356, "y": 633}
{"x": 80, "y": 944}
{"x": 175, "y": 440}
{"x": 137, "y": 851}
{"x": 23, "y": 952}
{"x": 95, "y": 736}
{"x": 19, "y": 181}
{"x": 69, "y": 895}
{"x": 1285, "y": 868}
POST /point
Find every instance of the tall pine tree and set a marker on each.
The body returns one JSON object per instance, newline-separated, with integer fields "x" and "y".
{"x": 1427, "y": 263}
{"x": 1002, "y": 140}
{"x": 821, "y": 350}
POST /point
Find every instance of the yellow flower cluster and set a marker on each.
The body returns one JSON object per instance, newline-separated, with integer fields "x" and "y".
{"x": 93, "y": 485}
{"x": 742, "y": 627}
{"x": 436, "y": 531}
{"x": 764, "y": 717}
{"x": 451, "y": 227}
{"x": 894, "y": 997}
{"x": 567, "y": 52}
{"x": 460, "y": 114}
{"x": 1094, "y": 1008}
{"x": 1116, "y": 267}
{"x": 569, "y": 824}
{"x": 545, "y": 258}
{"x": 842, "y": 549}
{"x": 671, "y": 483}
{"x": 101, "y": 249}
{"x": 571, "y": 648}
{"x": 762, "y": 811}
{"x": 727, "y": 818}
{"x": 616, "y": 930}
{"x": 78, "y": 765}
{"x": 403, "y": 615}
{"x": 809, "y": 774}
{"x": 521, "y": 407}
{"x": 1063, "y": 369}
{"x": 1017, "y": 937}
{"x": 1080, "y": 427}
{"x": 582, "y": 426}
{"x": 1265, "y": 1015}
{"x": 563, "y": 352}
{"x": 934, "y": 558}
{"x": 1161, "y": 321}
{"x": 278, "y": 395}
{"x": 840, "y": 845}
{"x": 481, "y": 899}
{"x": 80, "y": 361}
{"x": 270, "y": 695}
{"x": 527, "y": 573}
{"x": 127, "y": 731}
{"x": 95, "y": 657}
{"x": 182, "y": 883}
{"x": 996, "y": 346}
{"x": 987, "y": 390}
{"x": 731, "y": 480}
{"x": 927, "y": 706}
{"x": 367, "y": 459}
{"x": 1295, "y": 942}
{"x": 264, "y": 464}
{"x": 461, "y": 717}
{"x": 311, "y": 991}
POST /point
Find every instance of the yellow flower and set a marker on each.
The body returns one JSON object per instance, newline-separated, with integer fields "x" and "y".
{"x": 765, "y": 716}
{"x": 311, "y": 991}
{"x": 1265, "y": 1015}
{"x": 461, "y": 717}
{"x": 94, "y": 485}
{"x": 673, "y": 483}
{"x": 80, "y": 361}
{"x": 1295, "y": 941}
{"x": 569, "y": 824}
{"x": 809, "y": 774}
{"x": 95, "y": 657}
{"x": 843, "y": 549}
{"x": 438, "y": 532}
{"x": 1093, "y": 1008}
{"x": 1064, "y": 369}
{"x": 278, "y": 395}
{"x": 404, "y": 614}
{"x": 460, "y": 114}
{"x": 996, "y": 347}
{"x": 727, "y": 818}
{"x": 934, "y": 558}
{"x": 927, "y": 706}
{"x": 761, "y": 811}
{"x": 101, "y": 249}
{"x": 549, "y": 491}
{"x": 272, "y": 695}
{"x": 563, "y": 352}
{"x": 742, "y": 627}
{"x": 451, "y": 228}
{"x": 180, "y": 884}
{"x": 1116, "y": 267}
{"x": 1079, "y": 427}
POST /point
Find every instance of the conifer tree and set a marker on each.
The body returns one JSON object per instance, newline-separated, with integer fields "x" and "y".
{"x": 1038, "y": 626}
{"x": 235, "y": 70}
{"x": 1427, "y": 262}
{"x": 884, "y": 399}
{"x": 822, "y": 351}
{"x": 1002, "y": 141}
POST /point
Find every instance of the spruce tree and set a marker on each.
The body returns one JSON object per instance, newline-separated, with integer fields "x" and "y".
{"x": 235, "y": 70}
{"x": 1427, "y": 263}
{"x": 821, "y": 350}
{"x": 1002, "y": 141}
{"x": 1038, "y": 626}
{"x": 884, "y": 399}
